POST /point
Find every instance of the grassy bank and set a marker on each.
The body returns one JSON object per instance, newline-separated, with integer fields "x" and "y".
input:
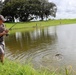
{"x": 14, "y": 68}
{"x": 31, "y": 25}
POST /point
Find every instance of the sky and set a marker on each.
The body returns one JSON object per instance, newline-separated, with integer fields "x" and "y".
{"x": 65, "y": 8}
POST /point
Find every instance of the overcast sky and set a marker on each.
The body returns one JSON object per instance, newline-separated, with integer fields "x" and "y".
{"x": 65, "y": 8}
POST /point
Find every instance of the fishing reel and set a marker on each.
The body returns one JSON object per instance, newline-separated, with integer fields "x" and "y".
{"x": 7, "y": 34}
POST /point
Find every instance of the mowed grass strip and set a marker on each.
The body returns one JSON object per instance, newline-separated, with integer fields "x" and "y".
{"x": 40, "y": 23}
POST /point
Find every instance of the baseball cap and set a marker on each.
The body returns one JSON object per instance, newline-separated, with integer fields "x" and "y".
{"x": 2, "y": 18}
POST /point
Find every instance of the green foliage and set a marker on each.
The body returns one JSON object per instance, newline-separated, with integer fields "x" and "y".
{"x": 28, "y": 26}
{"x": 14, "y": 68}
{"x": 25, "y": 9}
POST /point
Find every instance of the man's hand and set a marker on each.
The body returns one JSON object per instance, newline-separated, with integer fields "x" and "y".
{"x": 6, "y": 30}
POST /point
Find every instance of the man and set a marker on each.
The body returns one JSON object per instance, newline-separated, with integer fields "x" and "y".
{"x": 3, "y": 32}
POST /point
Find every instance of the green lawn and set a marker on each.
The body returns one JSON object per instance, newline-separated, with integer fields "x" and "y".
{"x": 27, "y": 25}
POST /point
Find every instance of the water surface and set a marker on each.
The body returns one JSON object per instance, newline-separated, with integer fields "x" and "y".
{"x": 53, "y": 46}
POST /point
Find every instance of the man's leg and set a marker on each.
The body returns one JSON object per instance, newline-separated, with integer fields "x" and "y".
{"x": 1, "y": 54}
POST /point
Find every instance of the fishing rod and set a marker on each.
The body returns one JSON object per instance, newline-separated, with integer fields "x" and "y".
{"x": 11, "y": 28}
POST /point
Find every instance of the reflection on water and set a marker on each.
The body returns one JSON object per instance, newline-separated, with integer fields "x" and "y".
{"x": 29, "y": 40}
{"x": 52, "y": 46}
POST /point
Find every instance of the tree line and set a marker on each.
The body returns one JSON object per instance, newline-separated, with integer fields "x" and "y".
{"x": 27, "y": 10}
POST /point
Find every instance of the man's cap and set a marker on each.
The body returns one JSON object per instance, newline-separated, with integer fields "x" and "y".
{"x": 2, "y": 18}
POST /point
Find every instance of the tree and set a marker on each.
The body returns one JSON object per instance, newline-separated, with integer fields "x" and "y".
{"x": 25, "y": 9}
{"x": 47, "y": 9}
{"x": 53, "y": 9}
{"x": 1, "y": 5}
{"x": 12, "y": 7}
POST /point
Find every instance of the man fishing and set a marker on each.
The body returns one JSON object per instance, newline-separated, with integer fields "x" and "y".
{"x": 3, "y": 32}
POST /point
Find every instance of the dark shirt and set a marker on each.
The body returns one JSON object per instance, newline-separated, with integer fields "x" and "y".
{"x": 1, "y": 30}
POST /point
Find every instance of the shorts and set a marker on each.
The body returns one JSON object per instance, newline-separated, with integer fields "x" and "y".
{"x": 2, "y": 47}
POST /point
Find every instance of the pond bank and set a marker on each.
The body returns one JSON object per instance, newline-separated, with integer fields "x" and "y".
{"x": 15, "y": 68}
{"x": 31, "y": 25}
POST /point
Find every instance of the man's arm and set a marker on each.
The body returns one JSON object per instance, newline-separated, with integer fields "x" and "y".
{"x": 3, "y": 33}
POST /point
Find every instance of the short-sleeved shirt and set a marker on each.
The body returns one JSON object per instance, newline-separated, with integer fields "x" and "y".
{"x": 2, "y": 28}
{"x": 2, "y": 44}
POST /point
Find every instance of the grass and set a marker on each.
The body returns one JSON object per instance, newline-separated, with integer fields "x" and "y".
{"x": 14, "y": 68}
{"x": 27, "y": 26}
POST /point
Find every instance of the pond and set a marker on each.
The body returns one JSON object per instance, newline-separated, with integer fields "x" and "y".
{"x": 53, "y": 46}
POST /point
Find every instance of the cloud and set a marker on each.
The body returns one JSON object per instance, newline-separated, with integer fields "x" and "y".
{"x": 65, "y": 8}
